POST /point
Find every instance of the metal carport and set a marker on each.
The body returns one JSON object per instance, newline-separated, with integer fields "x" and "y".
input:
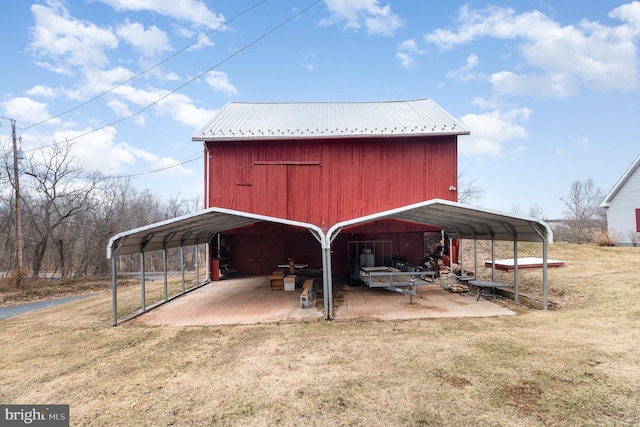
{"x": 464, "y": 222}
{"x": 458, "y": 220}
{"x": 192, "y": 229}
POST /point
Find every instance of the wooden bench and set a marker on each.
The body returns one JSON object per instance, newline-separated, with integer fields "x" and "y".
{"x": 307, "y": 293}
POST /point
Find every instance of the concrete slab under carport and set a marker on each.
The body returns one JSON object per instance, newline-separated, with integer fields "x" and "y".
{"x": 431, "y": 301}
{"x": 249, "y": 300}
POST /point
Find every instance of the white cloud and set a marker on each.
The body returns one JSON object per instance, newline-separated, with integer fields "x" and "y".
{"x": 122, "y": 110}
{"x": 97, "y": 81}
{"x": 584, "y": 142}
{"x": 490, "y": 132}
{"x": 464, "y": 74}
{"x": 561, "y": 59}
{"x": 192, "y": 11}
{"x": 100, "y": 151}
{"x": 26, "y": 111}
{"x": 150, "y": 42}
{"x": 560, "y": 85}
{"x": 181, "y": 109}
{"x": 628, "y": 12}
{"x": 406, "y": 53}
{"x": 44, "y": 91}
{"x": 65, "y": 42}
{"x": 358, "y": 13}
{"x": 202, "y": 42}
{"x": 219, "y": 81}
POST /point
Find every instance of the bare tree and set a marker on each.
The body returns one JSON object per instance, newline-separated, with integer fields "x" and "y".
{"x": 583, "y": 215}
{"x": 468, "y": 191}
{"x": 535, "y": 211}
{"x": 59, "y": 191}
{"x": 69, "y": 214}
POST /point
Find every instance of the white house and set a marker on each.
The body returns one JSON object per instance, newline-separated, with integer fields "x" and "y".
{"x": 623, "y": 207}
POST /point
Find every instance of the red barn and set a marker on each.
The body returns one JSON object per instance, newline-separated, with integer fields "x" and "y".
{"x": 320, "y": 182}
{"x": 322, "y": 164}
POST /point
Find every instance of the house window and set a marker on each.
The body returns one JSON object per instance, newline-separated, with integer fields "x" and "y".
{"x": 638, "y": 220}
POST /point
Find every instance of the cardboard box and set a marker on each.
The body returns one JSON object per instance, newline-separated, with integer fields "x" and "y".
{"x": 276, "y": 282}
{"x": 290, "y": 283}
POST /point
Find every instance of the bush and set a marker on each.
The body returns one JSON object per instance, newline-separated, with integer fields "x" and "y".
{"x": 602, "y": 238}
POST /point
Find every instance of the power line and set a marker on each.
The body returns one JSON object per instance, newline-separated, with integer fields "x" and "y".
{"x": 198, "y": 156}
{"x": 148, "y": 69}
{"x": 228, "y": 58}
{"x": 135, "y": 175}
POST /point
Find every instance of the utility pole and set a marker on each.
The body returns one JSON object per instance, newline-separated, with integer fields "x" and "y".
{"x": 18, "y": 223}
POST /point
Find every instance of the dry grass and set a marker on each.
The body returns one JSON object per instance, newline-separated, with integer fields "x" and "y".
{"x": 578, "y": 365}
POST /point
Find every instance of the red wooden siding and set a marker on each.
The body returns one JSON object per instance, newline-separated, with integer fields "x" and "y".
{"x": 327, "y": 181}
{"x": 261, "y": 253}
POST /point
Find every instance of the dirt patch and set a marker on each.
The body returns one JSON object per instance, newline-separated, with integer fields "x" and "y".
{"x": 524, "y": 396}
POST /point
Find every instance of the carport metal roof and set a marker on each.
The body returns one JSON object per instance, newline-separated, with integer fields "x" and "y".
{"x": 458, "y": 220}
{"x": 191, "y": 229}
{"x": 462, "y": 222}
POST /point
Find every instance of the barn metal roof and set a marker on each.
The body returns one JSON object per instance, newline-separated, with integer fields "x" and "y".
{"x": 459, "y": 221}
{"x": 255, "y": 120}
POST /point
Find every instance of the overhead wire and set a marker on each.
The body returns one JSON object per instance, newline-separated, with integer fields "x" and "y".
{"x": 247, "y": 46}
{"x": 198, "y": 76}
{"x": 100, "y": 95}
{"x": 135, "y": 175}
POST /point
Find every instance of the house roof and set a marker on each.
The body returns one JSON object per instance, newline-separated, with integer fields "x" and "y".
{"x": 260, "y": 121}
{"x": 458, "y": 220}
{"x": 607, "y": 200}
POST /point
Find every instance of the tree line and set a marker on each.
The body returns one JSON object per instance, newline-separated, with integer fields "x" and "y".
{"x": 68, "y": 215}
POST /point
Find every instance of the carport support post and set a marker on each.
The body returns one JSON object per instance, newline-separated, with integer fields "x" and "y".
{"x": 461, "y": 257}
{"x": 493, "y": 260}
{"x": 182, "y": 265}
{"x": 326, "y": 282}
{"x": 515, "y": 270}
{"x": 475, "y": 258}
{"x": 114, "y": 283}
{"x": 545, "y": 288}
{"x": 164, "y": 265}
{"x": 197, "y": 266}
{"x": 142, "y": 270}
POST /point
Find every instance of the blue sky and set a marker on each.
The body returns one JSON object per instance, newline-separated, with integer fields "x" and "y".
{"x": 548, "y": 90}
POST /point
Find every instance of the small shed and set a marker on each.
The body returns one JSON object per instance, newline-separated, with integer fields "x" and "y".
{"x": 622, "y": 205}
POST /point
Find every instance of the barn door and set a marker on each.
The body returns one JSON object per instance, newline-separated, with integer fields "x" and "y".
{"x": 269, "y": 195}
{"x": 286, "y": 190}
